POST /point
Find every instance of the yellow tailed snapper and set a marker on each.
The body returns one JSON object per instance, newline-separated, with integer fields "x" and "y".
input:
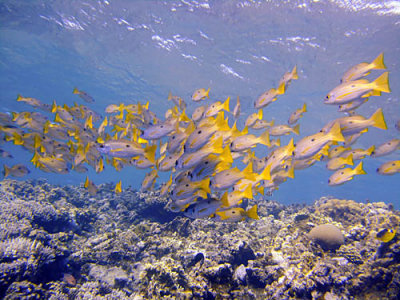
{"x": 247, "y": 141}
{"x": 339, "y": 162}
{"x": 386, "y": 148}
{"x": 237, "y": 214}
{"x": 202, "y": 209}
{"x": 288, "y": 77}
{"x": 363, "y": 69}
{"x": 188, "y": 160}
{"x": 355, "y": 124}
{"x": 269, "y": 96}
{"x": 85, "y": 96}
{"x": 348, "y": 91}
{"x": 227, "y": 178}
{"x": 18, "y": 170}
{"x": 125, "y": 148}
{"x": 344, "y": 175}
{"x": 389, "y": 168}
{"x": 297, "y": 114}
{"x": 310, "y": 145}
{"x": 200, "y": 94}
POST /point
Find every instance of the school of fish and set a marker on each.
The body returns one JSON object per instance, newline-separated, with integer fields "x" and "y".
{"x": 203, "y": 153}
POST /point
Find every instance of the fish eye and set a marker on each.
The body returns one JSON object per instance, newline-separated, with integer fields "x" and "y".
{"x": 312, "y": 140}
{"x": 102, "y": 146}
{"x": 199, "y": 132}
{"x": 173, "y": 137}
{"x": 127, "y": 146}
{"x": 233, "y": 212}
{"x": 393, "y": 164}
{"x": 327, "y": 97}
{"x": 187, "y": 185}
{"x": 176, "y": 163}
{"x": 161, "y": 126}
{"x": 341, "y": 173}
{"x": 329, "y": 181}
{"x": 206, "y": 162}
{"x": 84, "y": 129}
{"x": 389, "y": 143}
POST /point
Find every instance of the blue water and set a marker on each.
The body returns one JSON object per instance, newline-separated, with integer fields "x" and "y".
{"x": 129, "y": 51}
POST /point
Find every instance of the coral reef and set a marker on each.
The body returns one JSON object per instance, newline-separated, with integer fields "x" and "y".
{"x": 63, "y": 243}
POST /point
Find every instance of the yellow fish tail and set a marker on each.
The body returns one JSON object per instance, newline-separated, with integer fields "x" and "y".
{"x": 248, "y": 192}
{"x": 248, "y": 172}
{"x": 17, "y": 139}
{"x": 19, "y": 97}
{"x": 183, "y": 117}
{"x": 290, "y": 147}
{"x": 54, "y": 107}
{"x": 290, "y": 172}
{"x": 224, "y": 200}
{"x": 217, "y": 146}
{"x": 260, "y": 114}
{"x": 304, "y": 109}
{"x": 222, "y": 166}
{"x": 86, "y": 185}
{"x": 294, "y": 73}
{"x": 370, "y": 150}
{"x": 150, "y": 153}
{"x": 296, "y": 129}
{"x": 225, "y": 105}
{"x": 75, "y": 91}
{"x": 266, "y": 173}
{"x": 89, "y": 122}
{"x": 252, "y": 213}
{"x": 349, "y": 160}
{"x": 382, "y": 83}
{"x": 205, "y": 185}
{"x": 359, "y": 169}
{"x": 118, "y": 187}
{"x": 378, "y": 119}
{"x": 277, "y": 142}
{"x": 281, "y": 89}
{"x": 378, "y": 62}
{"x": 226, "y": 155}
{"x": 264, "y": 139}
{"x": 336, "y": 134}
{"x": 6, "y": 171}
{"x": 207, "y": 92}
